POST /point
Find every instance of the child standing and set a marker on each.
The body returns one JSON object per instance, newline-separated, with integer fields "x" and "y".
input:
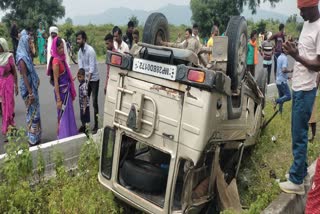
{"x": 84, "y": 100}
{"x": 282, "y": 81}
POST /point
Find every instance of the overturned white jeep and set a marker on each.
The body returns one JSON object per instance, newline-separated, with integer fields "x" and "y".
{"x": 173, "y": 129}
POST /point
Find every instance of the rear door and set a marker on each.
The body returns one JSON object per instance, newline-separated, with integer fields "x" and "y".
{"x": 156, "y": 110}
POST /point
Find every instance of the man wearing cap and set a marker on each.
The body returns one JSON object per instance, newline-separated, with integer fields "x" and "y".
{"x": 307, "y": 56}
{"x": 53, "y": 32}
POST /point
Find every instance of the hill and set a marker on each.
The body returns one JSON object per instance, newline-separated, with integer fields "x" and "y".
{"x": 176, "y": 15}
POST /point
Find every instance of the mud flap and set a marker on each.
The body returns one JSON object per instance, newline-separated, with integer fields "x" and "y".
{"x": 228, "y": 194}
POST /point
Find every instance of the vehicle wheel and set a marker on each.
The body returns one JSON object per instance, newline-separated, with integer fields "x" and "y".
{"x": 237, "y": 50}
{"x": 143, "y": 176}
{"x": 158, "y": 157}
{"x": 156, "y": 25}
{"x": 262, "y": 84}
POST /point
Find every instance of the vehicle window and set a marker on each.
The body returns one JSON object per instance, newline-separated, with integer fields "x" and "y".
{"x": 107, "y": 152}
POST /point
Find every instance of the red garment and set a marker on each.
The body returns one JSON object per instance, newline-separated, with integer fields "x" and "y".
{"x": 7, "y": 96}
{"x": 58, "y": 62}
{"x": 313, "y": 201}
{"x": 307, "y": 3}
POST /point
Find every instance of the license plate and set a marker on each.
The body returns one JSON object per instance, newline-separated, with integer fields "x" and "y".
{"x": 155, "y": 69}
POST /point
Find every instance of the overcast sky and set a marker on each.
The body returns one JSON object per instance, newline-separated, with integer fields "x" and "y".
{"x": 84, "y": 7}
{"x": 97, "y": 6}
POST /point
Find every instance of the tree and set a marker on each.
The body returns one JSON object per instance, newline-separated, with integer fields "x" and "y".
{"x": 261, "y": 26}
{"x": 292, "y": 19}
{"x": 69, "y": 31}
{"x": 135, "y": 20}
{"x": 30, "y": 13}
{"x": 69, "y": 21}
{"x": 207, "y": 12}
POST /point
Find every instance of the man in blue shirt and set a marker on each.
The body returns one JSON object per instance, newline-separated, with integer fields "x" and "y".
{"x": 88, "y": 61}
{"x": 282, "y": 81}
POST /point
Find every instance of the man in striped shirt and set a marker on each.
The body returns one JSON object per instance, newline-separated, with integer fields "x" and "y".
{"x": 267, "y": 50}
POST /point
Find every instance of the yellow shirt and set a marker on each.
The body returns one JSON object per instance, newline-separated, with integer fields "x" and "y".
{"x": 210, "y": 44}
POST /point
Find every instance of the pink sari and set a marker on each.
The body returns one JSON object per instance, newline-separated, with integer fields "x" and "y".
{"x": 7, "y": 96}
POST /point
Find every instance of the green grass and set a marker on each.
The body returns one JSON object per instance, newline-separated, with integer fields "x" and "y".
{"x": 69, "y": 192}
{"x": 268, "y": 159}
{"x": 80, "y": 192}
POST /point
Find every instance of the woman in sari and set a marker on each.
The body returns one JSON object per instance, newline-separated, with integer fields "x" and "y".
{"x": 64, "y": 90}
{"x": 41, "y": 44}
{"x": 29, "y": 85}
{"x": 8, "y": 86}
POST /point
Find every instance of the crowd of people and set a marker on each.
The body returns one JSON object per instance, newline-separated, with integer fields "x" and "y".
{"x": 60, "y": 76}
{"x": 305, "y": 83}
{"x": 274, "y": 49}
{"x": 304, "y": 89}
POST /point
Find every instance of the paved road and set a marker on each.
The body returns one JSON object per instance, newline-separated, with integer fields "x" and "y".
{"x": 48, "y": 106}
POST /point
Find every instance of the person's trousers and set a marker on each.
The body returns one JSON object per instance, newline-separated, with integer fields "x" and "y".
{"x": 302, "y": 104}
{"x": 94, "y": 89}
{"x": 268, "y": 67}
{"x": 284, "y": 95}
{"x": 275, "y": 56}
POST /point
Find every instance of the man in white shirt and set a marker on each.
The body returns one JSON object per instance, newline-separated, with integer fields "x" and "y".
{"x": 53, "y": 32}
{"x": 87, "y": 60}
{"x": 307, "y": 56}
{"x": 119, "y": 45}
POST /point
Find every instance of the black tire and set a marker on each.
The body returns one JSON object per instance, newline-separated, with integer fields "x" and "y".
{"x": 158, "y": 157}
{"x": 262, "y": 84}
{"x": 156, "y": 25}
{"x": 237, "y": 50}
{"x": 144, "y": 176}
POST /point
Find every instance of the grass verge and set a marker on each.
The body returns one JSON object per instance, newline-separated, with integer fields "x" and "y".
{"x": 269, "y": 161}
{"x": 25, "y": 190}
{"x": 80, "y": 192}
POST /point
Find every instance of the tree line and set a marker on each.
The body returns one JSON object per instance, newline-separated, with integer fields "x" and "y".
{"x": 204, "y": 12}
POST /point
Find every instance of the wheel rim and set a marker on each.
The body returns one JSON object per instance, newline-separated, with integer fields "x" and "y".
{"x": 242, "y": 51}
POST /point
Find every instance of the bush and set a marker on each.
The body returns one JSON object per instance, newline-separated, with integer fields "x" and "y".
{"x": 23, "y": 190}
